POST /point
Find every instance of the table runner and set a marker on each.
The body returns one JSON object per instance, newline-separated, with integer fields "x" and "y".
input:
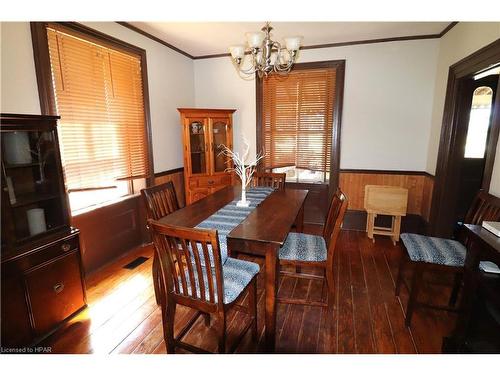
{"x": 230, "y": 216}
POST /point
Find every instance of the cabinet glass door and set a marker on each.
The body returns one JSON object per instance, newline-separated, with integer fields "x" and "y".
{"x": 31, "y": 183}
{"x": 220, "y": 136}
{"x": 197, "y": 146}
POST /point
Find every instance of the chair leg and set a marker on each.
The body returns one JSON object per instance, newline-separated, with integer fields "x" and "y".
{"x": 414, "y": 287}
{"x": 399, "y": 280}
{"x": 168, "y": 318}
{"x": 252, "y": 307}
{"x": 157, "y": 281}
{"x": 330, "y": 295}
{"x": 221, "y": 332}
{"x": 206, "y": 318}
{"x": 457, "y": 283}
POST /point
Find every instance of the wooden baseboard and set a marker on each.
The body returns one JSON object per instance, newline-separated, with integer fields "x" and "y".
{"x": 356, "y": 220}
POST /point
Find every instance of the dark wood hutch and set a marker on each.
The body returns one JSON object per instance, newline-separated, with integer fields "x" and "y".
{"x": 42, "y": 277}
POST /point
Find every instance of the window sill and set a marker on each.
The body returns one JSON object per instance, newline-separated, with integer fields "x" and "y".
{"x": 103, "y": 205}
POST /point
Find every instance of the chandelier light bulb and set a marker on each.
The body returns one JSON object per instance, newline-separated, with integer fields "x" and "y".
{"x": 293, "y": 43}
{"x": 255, "y": 39}
{"x": 237, "y": 52}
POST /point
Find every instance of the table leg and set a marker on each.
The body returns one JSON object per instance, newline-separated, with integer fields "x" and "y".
{"x": 456, "y": 341}
{"x": 299, "y": 221}
{"x": 271, "y": 289}
{"x": 471, "y": 276}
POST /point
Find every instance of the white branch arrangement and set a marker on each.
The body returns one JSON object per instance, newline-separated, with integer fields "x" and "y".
{"x": 244, "y": 171}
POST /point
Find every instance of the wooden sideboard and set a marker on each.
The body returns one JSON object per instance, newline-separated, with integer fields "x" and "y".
{"x": 204, "y": 132}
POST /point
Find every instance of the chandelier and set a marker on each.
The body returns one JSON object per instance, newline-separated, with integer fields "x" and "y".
{"x": 267, "y": 56}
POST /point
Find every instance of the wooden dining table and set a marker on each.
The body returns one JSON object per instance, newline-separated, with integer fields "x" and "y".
{"x": 262, "y": 233}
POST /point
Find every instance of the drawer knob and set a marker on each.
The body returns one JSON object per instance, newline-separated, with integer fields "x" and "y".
{"x": 65, "y": 247}
{"x": 210, "y": 182}
{"x": 58, "y": 288}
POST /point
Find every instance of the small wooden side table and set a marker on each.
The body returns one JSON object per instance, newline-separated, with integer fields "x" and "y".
{"x": 385, "y": 200}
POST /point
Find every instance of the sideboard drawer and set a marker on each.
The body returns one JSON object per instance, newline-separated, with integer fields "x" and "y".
{"x": 45, "y": 253}
{"x": 55, "y": 249}
{"x": 210, "y": 181}
{"x": 55, "y": 291}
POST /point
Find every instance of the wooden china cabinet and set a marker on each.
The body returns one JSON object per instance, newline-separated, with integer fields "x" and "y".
{"x": 42, "y": 279}
{"x": 204, "y": 131}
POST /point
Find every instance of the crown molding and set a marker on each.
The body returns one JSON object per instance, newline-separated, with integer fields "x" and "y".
{"x": 317, "y": 46}
{"x": 148, "y": 35}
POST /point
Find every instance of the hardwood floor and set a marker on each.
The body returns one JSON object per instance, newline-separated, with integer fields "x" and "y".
{"x": 123, "y": 317}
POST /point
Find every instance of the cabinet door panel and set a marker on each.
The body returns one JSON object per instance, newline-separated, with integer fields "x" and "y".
{"x": 197, "y": 153}
{"x": 221, "y": 135}
{"x": 16, "y": 329}
{"x": 55, "y": 291}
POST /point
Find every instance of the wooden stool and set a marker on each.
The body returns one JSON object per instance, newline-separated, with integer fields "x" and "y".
{"x": 385, "y": 200}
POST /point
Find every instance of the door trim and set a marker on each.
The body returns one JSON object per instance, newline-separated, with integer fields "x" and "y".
{"x": 445, "y": 192}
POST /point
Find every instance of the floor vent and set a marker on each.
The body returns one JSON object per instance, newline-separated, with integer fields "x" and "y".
{"x": 135, "y": 263}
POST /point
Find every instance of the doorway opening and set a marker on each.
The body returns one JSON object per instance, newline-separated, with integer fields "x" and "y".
{"x": 469, "y": 135}
{"x": 478, "y": 99}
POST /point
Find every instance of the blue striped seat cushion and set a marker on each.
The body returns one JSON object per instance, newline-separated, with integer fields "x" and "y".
{"x": 303, "y": 247}
{"x": 434, "y": 250}
{"x": 236, "y": 273}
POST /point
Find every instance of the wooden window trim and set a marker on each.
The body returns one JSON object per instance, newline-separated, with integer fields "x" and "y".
{"x": 44, "y": 75}
{"x": 339, "y": 65}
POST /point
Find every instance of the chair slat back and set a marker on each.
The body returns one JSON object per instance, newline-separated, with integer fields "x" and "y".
{"x": 181, "y": 251}
{"x": 160, "y": 200}
{"x": 334, "y": 220}
{"x": 268, "y": 179}
{"x": 484, "y": 207}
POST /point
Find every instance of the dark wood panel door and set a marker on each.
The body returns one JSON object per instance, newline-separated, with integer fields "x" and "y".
{"x": 478, "y": 109}
{"x": 16, "y": 329}
{"x": 55, "y": 291}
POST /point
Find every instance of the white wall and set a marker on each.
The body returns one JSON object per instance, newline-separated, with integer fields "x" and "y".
{"x": 495, "y": 178}
{"x": 19, "y": 92}
{"x": 170, "y": 82}
{"x": 388, "y": 96}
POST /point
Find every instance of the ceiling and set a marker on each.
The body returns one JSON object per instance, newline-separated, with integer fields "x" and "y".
{"x": 208, "y": 38}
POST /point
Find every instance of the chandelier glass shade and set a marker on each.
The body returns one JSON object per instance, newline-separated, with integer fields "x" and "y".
{"x": 267, "y": 56}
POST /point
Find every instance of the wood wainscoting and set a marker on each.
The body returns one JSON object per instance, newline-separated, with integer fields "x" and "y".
{"x": 177, "y": 178}
{"x": 419, "y": 185}
{"x": 109, "y": 232}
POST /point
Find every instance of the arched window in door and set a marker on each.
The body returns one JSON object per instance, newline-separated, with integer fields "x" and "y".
{"x": 479, "y": 122}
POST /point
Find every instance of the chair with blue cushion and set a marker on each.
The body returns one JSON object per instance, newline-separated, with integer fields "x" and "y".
{"x": 441, "y": 255}
{"x": 306, "y": 250}
{"x": 195, "y": 275}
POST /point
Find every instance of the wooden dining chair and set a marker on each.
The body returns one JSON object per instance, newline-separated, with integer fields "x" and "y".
{"x": 275, "y": 180}
{"x": 431, "y": 254}
{"x": 160, "y": 200}
{"x": 194, "y": 276}
{"x": 308, "y": 250}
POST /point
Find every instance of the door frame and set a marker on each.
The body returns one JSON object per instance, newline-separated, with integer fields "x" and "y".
{"x": 447, "y": 169}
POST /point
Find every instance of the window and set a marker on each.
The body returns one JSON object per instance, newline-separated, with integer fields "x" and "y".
{"x": 479, "y": 122}
{"x": 298, "y": 114}
{"x": 98, "y": 92}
